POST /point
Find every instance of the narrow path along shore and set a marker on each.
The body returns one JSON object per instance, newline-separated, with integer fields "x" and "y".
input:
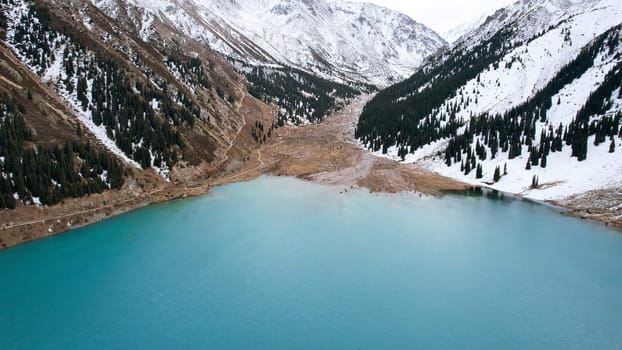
{"x": 19, "y": 226}
{"x": 47, "y": 219}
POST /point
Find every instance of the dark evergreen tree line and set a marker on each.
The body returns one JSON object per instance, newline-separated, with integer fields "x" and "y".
{"x": 191, "y": 70}
{"x": 407, "y": 115}
{"x": 598, "y": 104}
{"x": 401, "y": 113}
{"x": 121, "y": 104}
{"x": 260, "y": 133}
{"x": 298, "y": 94}
{"x": 51, "y": 174}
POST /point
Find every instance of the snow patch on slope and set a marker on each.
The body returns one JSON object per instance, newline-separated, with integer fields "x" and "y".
{"x": 528, "y": 68}
{"x": 55, "y": 74}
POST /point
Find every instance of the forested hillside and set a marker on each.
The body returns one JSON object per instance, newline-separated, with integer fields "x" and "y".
{"x": 110, "y": 103}
{"x": 89, "y": 104}
{"x": 33, "y": 173}
{"x": 301, "y": 97}
{"x": 505, "y": 104}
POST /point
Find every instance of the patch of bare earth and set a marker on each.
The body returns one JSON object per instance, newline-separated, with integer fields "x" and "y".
{"x": 28, "y": 223}
{"x": 603, "y": 206}
{"x": 327, "y": 153}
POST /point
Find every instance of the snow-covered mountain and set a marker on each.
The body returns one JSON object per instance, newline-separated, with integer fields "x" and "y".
{"x": 170, "y": 105}
{"x": 527, "y": 18}
{"x": 538, "y": 82}
{"x": 338, "y": 40}
{"x": 457, "y": 32}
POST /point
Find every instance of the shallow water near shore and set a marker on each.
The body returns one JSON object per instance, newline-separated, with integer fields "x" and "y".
{"x": 279, "y": 263}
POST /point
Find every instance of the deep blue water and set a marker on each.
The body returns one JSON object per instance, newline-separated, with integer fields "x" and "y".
{"x": 278, "y": 263}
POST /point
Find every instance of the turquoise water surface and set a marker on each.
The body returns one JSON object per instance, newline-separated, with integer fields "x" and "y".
{"x": 278, "y": 263}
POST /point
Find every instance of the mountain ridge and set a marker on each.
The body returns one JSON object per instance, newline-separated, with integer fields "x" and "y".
{"x": 339, "y": 41}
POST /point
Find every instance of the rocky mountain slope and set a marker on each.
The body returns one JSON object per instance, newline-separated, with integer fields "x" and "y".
{"x": 339, "y": 41}
{"x": 88, "y": 106}
{"x": 98, "y": 94}
{"x": 528, "y": 103}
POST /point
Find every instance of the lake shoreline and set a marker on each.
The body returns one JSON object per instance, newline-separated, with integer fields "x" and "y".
{"x": 16, "y": 234}
{"x": 325, "y": 154}
{"x": 306, "y": 254}
{"x": 101, "y": 214}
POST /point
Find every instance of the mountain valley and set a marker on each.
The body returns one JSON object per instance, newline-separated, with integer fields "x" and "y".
{"x": 110, "y": 105}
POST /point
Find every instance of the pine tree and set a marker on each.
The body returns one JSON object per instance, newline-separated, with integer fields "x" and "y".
{"x": 528, "y": 167}
{"x": 497, "y": 175}
{"x": 534, "y": 156}
{"x": 534, "y": 181}
{"x": 81, "y": 93}
{"x": 612, "y": 146}
{"x": 505, "y": 169}
{"x": 543, "y": 161}
{"x": 480, "y": 172}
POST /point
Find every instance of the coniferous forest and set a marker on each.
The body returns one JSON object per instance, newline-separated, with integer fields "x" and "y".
{"x": 299, "y": 95}
{"x": 409, "y": 115}
{"x": 34, "y": 173}
{"x": 129, "y": 110}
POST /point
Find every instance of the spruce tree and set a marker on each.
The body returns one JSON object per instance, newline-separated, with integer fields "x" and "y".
{"x": 612, "y": 146}
{"x": 505, "y": 169}
{"x": 534, "y": 181}
{"x": 480, "y": 172}
{"x": 497, "y": 175}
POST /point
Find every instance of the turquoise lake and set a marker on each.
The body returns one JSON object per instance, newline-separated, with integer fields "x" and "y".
{"x": 278, "y": 263}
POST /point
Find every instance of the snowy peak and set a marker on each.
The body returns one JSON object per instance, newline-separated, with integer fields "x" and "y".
{"x": 341, "y": 41}
{"x": 459, "y": 31}
{"x": 526, "y": 18}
